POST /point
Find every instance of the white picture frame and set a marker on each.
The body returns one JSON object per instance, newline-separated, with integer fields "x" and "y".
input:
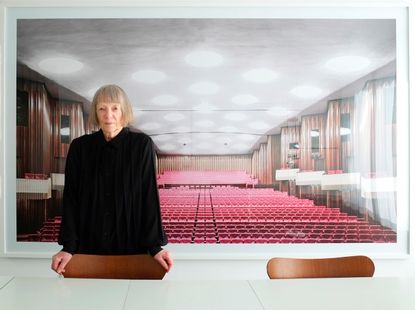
{"x": 398, "y": 12}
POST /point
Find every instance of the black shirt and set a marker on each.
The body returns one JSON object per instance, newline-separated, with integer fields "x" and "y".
{"x": 110, "y": 200}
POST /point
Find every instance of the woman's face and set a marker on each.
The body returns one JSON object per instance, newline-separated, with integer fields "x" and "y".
{"x": 109, "y": 116}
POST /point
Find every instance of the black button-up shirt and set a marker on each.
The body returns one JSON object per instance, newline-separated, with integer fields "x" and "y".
{"x": 110, "y": 201}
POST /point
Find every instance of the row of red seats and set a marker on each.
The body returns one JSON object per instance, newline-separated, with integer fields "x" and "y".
{"x": 36, "y": 176}
{"x": 271, "y": 223}
{"x": 206, "y": 177}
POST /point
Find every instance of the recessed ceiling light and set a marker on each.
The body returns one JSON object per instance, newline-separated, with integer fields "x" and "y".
{"x": 60, "y": 65}
{"x": 235, "y": 116}
{"x": 306, "y": 92}
{"x": 204, "y": 88}
{"x": 261, "y": 75}
{"x": 345, "y": 64}
{"x": 204, "y": 59}
{"x": 174, "y": 117}
{"x": 164, "y": 100}
{"x": 149, "y": 76}
{"x": 244, "y": 99}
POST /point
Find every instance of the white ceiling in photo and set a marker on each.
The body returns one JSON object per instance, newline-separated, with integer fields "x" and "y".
{"x": 209, "y": 86}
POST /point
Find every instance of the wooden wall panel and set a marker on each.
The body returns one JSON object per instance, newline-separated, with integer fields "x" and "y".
{"x": 33, "y": 152}
{"x": 273, "y": 158}
{"x": 34, "y": 142}
{"x": 204, "y": 162}
{"x": 259, "y": 164}
{"x": 263, "y": 160}
{"x": 37, "y": 144}
{"x": 254, "y": 163}
{"x": 333, "y": 138}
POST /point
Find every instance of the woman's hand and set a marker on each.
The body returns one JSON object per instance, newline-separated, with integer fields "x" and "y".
{"x": 59, "y": 261}
{"x": 164, "y": 259}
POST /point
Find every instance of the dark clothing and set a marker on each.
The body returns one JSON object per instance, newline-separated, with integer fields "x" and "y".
{"x": 110, "y": 199}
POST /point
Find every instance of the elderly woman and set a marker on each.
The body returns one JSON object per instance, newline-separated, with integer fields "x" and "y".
{"x": 110, "y": 199}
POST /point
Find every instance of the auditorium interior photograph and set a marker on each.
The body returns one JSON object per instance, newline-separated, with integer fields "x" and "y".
{"x": 281, "y": 139}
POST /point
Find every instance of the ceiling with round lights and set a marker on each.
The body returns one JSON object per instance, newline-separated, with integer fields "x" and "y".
{"x": 209, "y": 86}
{"x": 59, "y": 65}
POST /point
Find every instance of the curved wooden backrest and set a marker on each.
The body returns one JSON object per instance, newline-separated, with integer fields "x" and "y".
{"x": 141, "y": 266}
{"x": 336, "y": 267}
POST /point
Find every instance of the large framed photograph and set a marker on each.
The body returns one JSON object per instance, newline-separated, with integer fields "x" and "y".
{"x": 277, "y": 130}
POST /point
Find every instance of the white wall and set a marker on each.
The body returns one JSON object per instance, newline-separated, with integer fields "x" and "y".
{"x": 186, "y": 268}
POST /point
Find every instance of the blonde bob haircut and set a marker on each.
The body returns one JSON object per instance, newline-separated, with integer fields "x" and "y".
{"x": 111, "y": 94}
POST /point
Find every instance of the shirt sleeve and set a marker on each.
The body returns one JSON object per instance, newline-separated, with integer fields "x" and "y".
{"x": 153, "y": 232}
{"x": 154, "y": 250}
{"x": 68, "y": 235}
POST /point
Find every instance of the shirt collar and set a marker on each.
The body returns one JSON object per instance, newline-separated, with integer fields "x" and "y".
{"x": 117, "y": 140}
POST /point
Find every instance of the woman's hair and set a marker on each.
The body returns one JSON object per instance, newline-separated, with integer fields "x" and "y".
{"x": 113, "y": 94}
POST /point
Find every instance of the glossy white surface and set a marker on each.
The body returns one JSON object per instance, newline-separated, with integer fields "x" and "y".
{"x": 63, "y": 294}
{"x": 4, "y": 280}
{"x": 309, "y": 178}
{"x": 286, "y": 174}
{"x": 341, "y": 181}
{"x": 198, "y": 295}
{"x": 339, "y": 294}
{"x": 298, "y": 294}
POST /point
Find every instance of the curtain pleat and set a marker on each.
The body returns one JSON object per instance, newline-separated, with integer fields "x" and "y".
{"x": 34, "y": 141}
{"x": 289, "y": 135}
{"x": 333, "y": 147}
{"x": 374, "y": 151}
{"x": 308, "y": 161}
{"x": 338, "y": 149}
{"x": 77, "y": 129}
{"x": 39, "y": 149}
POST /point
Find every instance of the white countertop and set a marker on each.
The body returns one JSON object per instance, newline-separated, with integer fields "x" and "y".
{"x": 312, "y": 294}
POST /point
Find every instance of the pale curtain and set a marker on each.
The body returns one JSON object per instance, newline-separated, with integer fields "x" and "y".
{"x": 373, "y": 145}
